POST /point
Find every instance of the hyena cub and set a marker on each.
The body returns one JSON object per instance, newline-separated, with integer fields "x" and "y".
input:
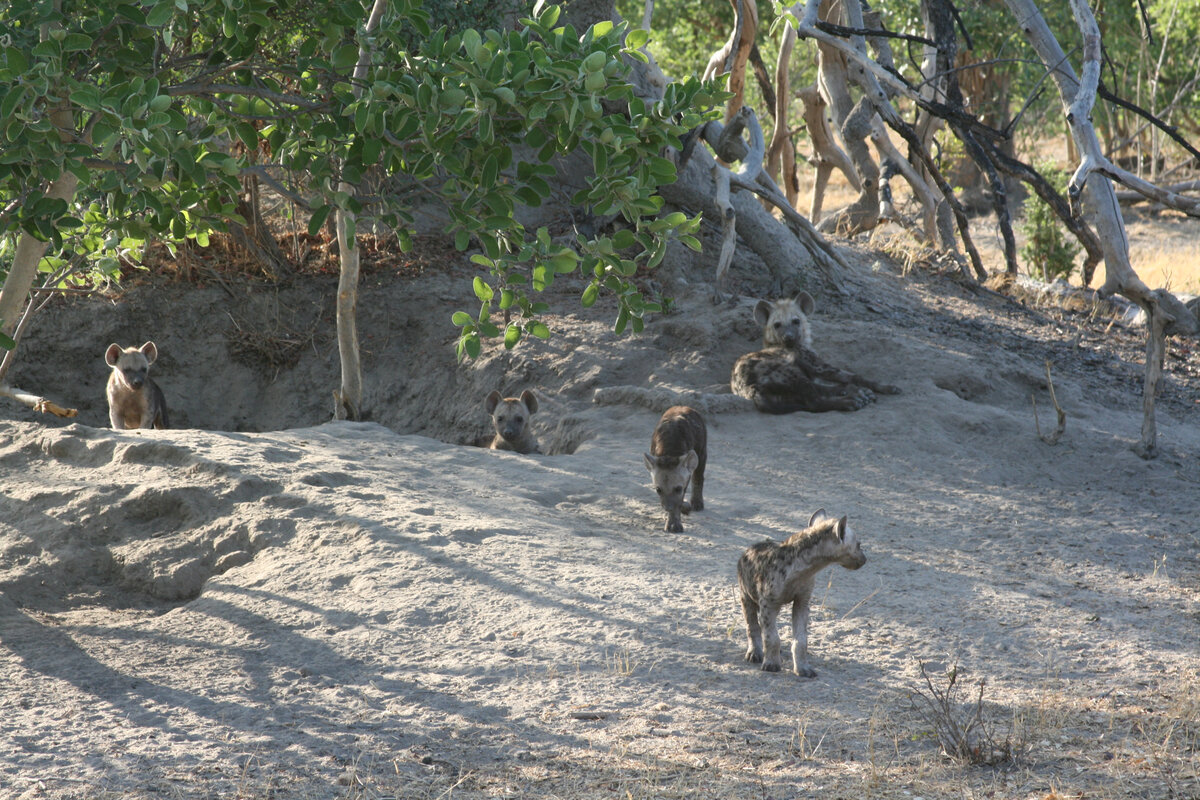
{"x": 134, "y": 399}
{"x": 771, "y": 575}
{"x": 786, "y": 375}
{"x": 510, "y": 416}
{"x": 678, "y": 455}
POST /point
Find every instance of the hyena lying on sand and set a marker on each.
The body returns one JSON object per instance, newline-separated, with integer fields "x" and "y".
{"x": 786, "y": 375}
{"x": 510, "y": 416}
{"x": 678, "y": 455}
{"x": 134, "y": 399}
{"x": 771, "y": 575}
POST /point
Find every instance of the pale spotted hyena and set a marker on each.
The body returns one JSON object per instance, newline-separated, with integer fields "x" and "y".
{"x": 678, "y": 455}
{"x": 134, "y": 399}
{"x": 786, "y": 375}
{"x": 510, "y": 418}
{"x": 771, "y": 575}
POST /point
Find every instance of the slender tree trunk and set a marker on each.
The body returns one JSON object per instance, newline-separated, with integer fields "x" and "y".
{"x": 347, "y": 400}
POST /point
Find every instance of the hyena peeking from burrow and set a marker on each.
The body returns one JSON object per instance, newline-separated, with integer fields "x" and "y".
{"x": 134, "y": 399}
{"x": 786, "y": 375}
{"x": 771, "y": 575}
{"x": 510, "y": 417}
{"x": 678, "y": 455}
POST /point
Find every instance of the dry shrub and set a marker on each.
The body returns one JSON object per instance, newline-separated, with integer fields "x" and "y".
{"x": 960, "y": 726}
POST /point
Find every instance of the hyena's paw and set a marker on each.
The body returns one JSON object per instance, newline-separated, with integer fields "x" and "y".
{"x": 862, "y": 398}
{"x": 673, "y": 526}
{"x": 805, "y": 671}
{"x": 753, "y": 656}
{"x": 771, "y": 666}
{"x": 885, "y": 388}
{"x": 697, "y": 504}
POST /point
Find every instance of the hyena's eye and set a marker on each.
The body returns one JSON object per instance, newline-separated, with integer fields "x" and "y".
{"x": 658, "y": 489}
{"x": 778, "y": 325}
{"x": 677, "y": 489}
{"x": 518, "y": 419}
{"x": 795, "y": 322}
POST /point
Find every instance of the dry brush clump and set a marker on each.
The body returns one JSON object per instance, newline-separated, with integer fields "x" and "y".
{"x": 959, "y": 724}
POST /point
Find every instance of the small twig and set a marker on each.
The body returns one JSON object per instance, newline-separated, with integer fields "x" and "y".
{"x": 1053, "y": 438}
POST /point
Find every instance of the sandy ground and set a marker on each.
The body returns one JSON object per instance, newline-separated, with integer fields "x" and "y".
{"x": 263, "y": 604}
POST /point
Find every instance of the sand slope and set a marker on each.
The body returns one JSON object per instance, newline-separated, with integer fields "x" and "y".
{"x": 343, "y": 610}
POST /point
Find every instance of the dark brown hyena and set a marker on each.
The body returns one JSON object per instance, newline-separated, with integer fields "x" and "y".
{"x": 786, "y": 375}
{"x": 678, "y": 454}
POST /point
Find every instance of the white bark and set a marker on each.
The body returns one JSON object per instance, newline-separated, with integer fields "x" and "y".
{"x": 1089, "y": 181}
{"x": 348, "y": 398}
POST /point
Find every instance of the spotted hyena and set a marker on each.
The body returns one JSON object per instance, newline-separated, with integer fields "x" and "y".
{"x": 786, "y": 375}
{"x": 678, "y": 455}
{"x": 771, "y": 575}
{"x": 510, "y": 418}
{"x": 134, "y": 399}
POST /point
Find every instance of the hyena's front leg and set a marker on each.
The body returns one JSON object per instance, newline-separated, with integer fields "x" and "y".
{"x": 767, "y": 617}
{"x": 800, "y": 640}
{"x": 754, "y": 650}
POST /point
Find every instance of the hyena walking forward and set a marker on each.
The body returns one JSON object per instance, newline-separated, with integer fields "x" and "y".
{"x": 786, "y": 375}
{"x": 510, "y": 418}
{"x": 771, "y": 575}
{"x": 678, "y": 455}
{"x": 134, "y": 399}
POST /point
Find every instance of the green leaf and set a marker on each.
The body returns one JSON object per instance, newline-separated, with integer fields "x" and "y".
{"x": 247, "y": 133}
{"x": 76, "y": 42}
{"x": 462, "y": 240}
{"x": 637, "y": 38}
{"x": 6, "y": 341}
{"x": 512, "y": 335}
{"x": 590, "y": 294}
{"x": 564, "y": 261}
{"x": 482, "y": 290}
{"x": 461, "y": 318}
{"x": 472, "y": 346}
{"x": 318, "y": 219}
{"x": 345, "y": 57}
{"x": 160, "y": 13}
{"x": 539, "y": 330}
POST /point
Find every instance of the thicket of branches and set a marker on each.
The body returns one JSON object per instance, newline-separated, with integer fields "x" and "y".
{"x": 135, "y": 120}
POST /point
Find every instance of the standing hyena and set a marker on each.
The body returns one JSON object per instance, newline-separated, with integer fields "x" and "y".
{"x": 786, "y": 375}
{"x": 134, "y": 399}
{"x": 771, "y": 575}
{"x": 678, "y": 455}
{"x": 510, "y": 417}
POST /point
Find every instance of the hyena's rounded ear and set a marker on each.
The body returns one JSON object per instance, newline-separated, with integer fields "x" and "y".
{"x": 816, "y": 515}
{"x": 841, "y": 529}
{"x": 112, "y": 354}
{"x": 530, "y": 401}
{"x": 762, "y": 312}
{"x": 492, "y": 401}
{"x": 651, "y": 461}
{"x": 806, "y": 302}
{"x": 150, "y": 351}
{"x": 690, "y": 460}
